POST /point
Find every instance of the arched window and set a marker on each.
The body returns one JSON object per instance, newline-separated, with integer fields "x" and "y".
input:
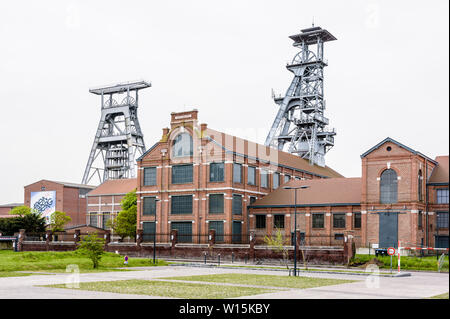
{"x": 419, "y": 184}
{"x": 182, "y": 145}
{"x": 388, "y": 187}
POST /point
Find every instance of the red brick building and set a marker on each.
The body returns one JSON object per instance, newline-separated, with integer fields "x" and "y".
{"x": 196, "y": 179}
{"x": 402, "y": 195}
{"x": 6, "y": 208}
{"x": 48, "y": 196}
{"x": 103, "y": 203}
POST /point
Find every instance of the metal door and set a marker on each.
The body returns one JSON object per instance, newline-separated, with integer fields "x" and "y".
{"x": 388, "y": 233}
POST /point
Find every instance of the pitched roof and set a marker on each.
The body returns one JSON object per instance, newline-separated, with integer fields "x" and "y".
{"x": 66, "y": 184}
{"x": 263, "y": 153}
{"x": 115, "y": 186}
{"x": 11, "y": 205}
{"x": 388, "y": 139}
{"x": 440, "y": 172}
{"x": 321, "y": 192}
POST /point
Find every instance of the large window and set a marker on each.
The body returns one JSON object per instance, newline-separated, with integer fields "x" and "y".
{"x": 388, "y": 187}
{"x": 216, "y": 203}
{"x": 93, "y": 220}
{"x": 357, "y": 220}
{"x": 182, "y": 145}
{"x": 237, "y": 232}
{"x": 218, "y": 227}
{"x": 182, "y": 174}
{"x": 442, "y": 220}
{"x": 419, "y": 219}
{"x": 419, "y": 185}
{"x": 105, "y": 218}
{"x": 278, "y": 221}
{"x": 442, "y": 196}
{"x": 318, "y": 220}
{"x": 216, "y": 172}
{"x": 251, "y": 178}
{"x": 149, "y": 176}
{"x": 148, "y": 231}
{"x": 184, "y": 231}
{"x": 237, "y": 204}
{"x": 260, "y": 221}
{"x": 237, "y": 173}
{"x": 276, "y": 180}
{"x": 264, "y": 178}
{"x": 181, "y": 204}
{"x": 149, "y": 207}
{"x": 339, "y": 220}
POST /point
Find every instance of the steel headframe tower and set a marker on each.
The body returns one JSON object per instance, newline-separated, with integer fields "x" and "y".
{"x": 119, "y": 136}
{"x": 300, "y": 126}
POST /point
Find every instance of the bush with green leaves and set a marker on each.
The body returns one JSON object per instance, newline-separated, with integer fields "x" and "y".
{"x": 31, "y": 222}
{"x": 124, "y": 224}
{"x": 58, "y": 220}
{"x": 92, "y": 246}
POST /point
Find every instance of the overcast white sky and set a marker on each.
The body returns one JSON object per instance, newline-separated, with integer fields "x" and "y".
{"x": 387, "y": 74}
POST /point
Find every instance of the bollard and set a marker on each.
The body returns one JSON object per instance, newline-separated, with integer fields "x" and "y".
{"x": 218, "y": 256}
{"x": 205, "y": 257}
{"x": 232, "y": 257}
{"x": 245, "y": 258}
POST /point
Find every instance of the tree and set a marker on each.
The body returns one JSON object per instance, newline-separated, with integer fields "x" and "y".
{"x": 93, "y": 247}
{"x": 32, "y": 223}
{"x": 58, "y": 220}
{"x": 21, "y": 211}
{"x": 279, "y": 245}
{"x": 124, "y": 224}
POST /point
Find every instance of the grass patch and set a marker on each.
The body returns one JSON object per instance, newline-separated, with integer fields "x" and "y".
{"x": 49, "y": 261}
{"x": 168, "y": 289}
{"x": 406, "y": 262}
{"x": 442, "y": 296}
{"x": 265, "y": 280}
{"x": 14, "y": 274}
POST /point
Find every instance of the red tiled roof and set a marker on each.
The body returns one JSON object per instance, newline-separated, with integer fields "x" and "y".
{"x": 251, "y": 149}
{"x": 440, "y": 172}
{"x": 115, "y": 186}
{"x": 320, "y": 191}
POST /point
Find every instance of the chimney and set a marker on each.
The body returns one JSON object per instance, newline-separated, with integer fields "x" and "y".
{"x": 203, "y": 127}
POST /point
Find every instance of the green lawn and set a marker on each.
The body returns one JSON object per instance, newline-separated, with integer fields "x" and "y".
{"x": 442, "y": 296}
{"x": 406, "y": 263}
{"x": 169, "y": 289}
{"x": 264, "y": 280}
{"x": 44, "y": 261}
{"x": 14, "y": 274}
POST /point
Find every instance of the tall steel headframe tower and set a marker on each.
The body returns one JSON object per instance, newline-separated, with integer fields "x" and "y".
{"x": 300, "y": 126}
{"x": 119, "y": 137}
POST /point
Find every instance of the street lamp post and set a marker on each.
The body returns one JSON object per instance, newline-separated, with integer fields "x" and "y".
{"x": 295, "y": 222}
{"x": 154, "y": 235}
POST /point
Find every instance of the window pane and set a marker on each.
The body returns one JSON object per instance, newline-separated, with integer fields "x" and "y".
{"x": 182, "y": 174}
{"x": 105, "y": 218}
{"x": 218, "y": 227}
{"x": 287, "y": 178}
{"x": 264, "y": 178}
{"x": 442, "y": 196}
{"x": 276, "y": 180}
{"x": 182, "y": 145}
{"x": 93, "y": 220}
{"x": 388, "y": 187}
{"x": 181, "y": 204}
{"x": 442, "y": 220}
{"x": 237, "y": 173}
{"x": 278, "y": 221}
{"x": 216, "y": 203}
{"x": 317, "y": 220}
{"x": 237, "y": 232}
{"x": 339, "y": 220}
{"x": 237, "y": 204}
{"x": 216, "y": 172}
{"x": 184, "y": 231}
{"x": 149, "y": 207}
{"x": 260, "y": 221}
{"x": 252, "y": 199}
{"x": 148, "y": 231}
{"x": 251, "y": 175}
{"x": 357, "y": 220}
{"x": 149, "y": 176}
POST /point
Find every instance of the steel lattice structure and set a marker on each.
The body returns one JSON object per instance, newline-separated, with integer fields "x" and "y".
{"x": 119, "y": 137}
{"x": 300, "y": 126}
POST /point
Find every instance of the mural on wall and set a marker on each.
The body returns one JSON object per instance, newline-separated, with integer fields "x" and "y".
{"x": 44, "y": 203}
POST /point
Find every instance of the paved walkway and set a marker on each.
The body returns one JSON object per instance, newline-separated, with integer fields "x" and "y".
{"x": 418, "y": 285}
